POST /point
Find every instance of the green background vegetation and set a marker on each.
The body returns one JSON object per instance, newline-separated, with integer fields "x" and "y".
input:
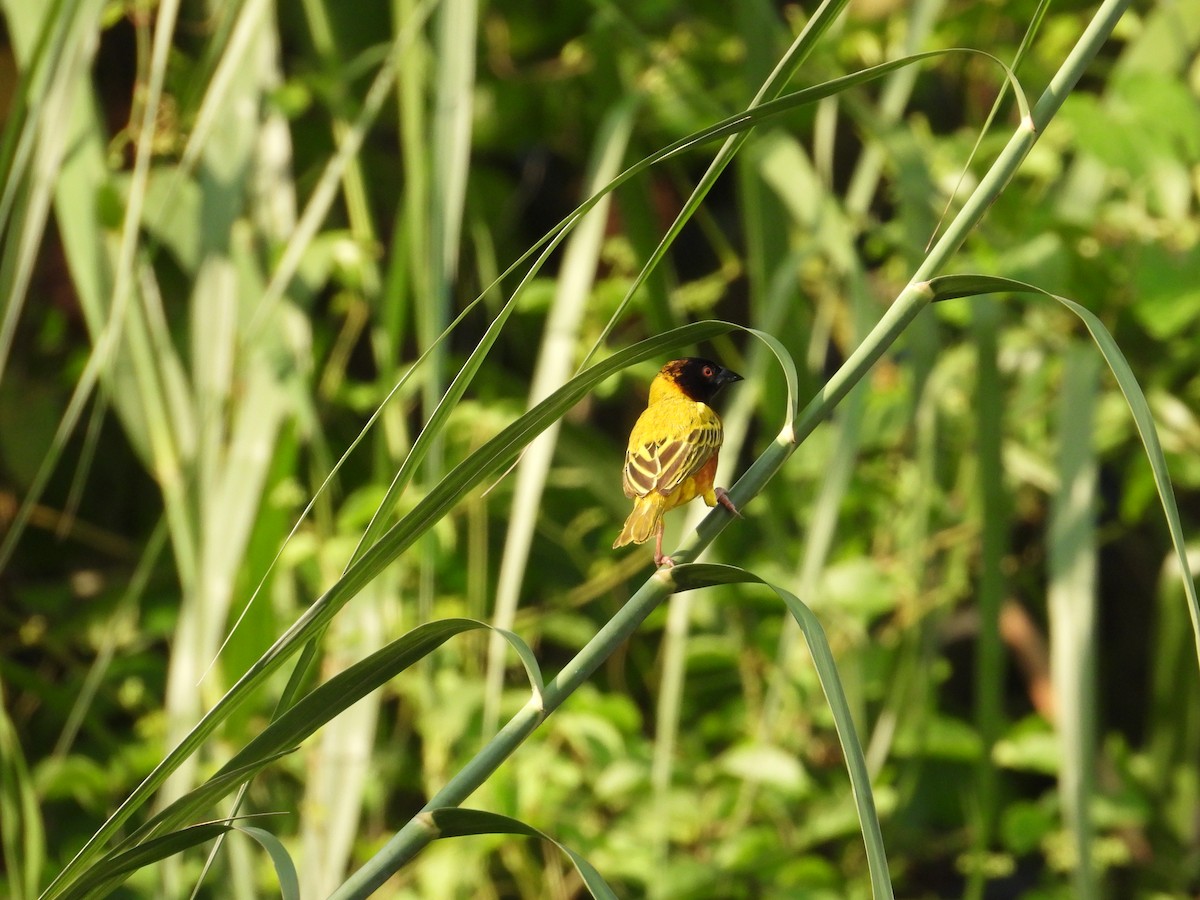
{"x": 237, "y": 234}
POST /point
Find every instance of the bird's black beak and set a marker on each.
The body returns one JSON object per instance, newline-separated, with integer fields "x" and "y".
{"x": 726, "y": 376}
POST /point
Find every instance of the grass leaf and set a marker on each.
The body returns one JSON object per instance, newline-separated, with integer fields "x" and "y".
{"x": 691, "y": 576}
{"x": 952, "y": 286}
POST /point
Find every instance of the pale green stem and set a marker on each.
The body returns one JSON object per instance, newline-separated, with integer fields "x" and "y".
{"x": 1071, "y": 603}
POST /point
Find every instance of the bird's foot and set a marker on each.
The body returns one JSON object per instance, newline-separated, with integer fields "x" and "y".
{"x": 723, "y": 499}
{"x": 661, "y": 559}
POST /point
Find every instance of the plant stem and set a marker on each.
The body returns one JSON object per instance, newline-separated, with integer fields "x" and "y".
{"x": 419, "y": 831}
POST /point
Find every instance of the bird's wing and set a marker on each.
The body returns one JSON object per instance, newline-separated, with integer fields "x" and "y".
{"x": 669, "y": 446}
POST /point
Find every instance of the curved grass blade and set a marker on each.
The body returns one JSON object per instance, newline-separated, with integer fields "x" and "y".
{"x": 953, "y": 286}
{"x": 195, "y": 801}
{"x": 285, "y": 868}
{"x": 322, "y": 705}
{"x": 690, "y": 576}
{"x": 805, "y": 42}
{"x": 107, "y": 876}
{"x": 1026, "y": 42}
{"x": 453, "y": 821}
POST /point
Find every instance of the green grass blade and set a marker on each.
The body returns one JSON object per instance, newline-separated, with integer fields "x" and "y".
{"x": 302, "y": 720}
{"x": 61, "y": 116}
{"x": 319, "y": 707}
{"x": 325, "y": 191}
{"x": 556, "y": 359}
{"x": 820, "y": 22}
{"x": 730, "y": 126}
{"x": 176, "y": 814}
{"x": 951, "y": 286}
{"x": 704, "y": 575}
{"x": 107, "y": 876}
{"x": 455, "y": 822}
{"x": 50, "y": 39}
{"x": 285, "y": 867}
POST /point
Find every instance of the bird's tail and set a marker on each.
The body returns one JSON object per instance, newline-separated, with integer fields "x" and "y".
{"x": 647, "y": 513}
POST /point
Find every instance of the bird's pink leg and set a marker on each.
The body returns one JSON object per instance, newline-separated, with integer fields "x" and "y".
{"x": 659, "y": 559}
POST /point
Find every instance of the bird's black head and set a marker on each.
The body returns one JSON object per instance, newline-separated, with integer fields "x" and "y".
{"x": 698, "y": 379}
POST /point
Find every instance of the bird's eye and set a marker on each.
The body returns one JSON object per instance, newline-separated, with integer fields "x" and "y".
{"x": 708, "y": 372}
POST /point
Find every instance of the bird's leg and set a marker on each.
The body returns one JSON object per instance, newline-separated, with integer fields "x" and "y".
{"x": 659, "y": 559}
{"x": 723, "y": 499}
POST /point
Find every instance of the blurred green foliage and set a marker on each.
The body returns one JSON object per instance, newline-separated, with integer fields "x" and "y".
{"x": 217, "y": 416}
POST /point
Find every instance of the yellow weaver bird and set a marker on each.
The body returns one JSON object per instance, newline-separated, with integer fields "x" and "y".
{"x": 672, "y": 454}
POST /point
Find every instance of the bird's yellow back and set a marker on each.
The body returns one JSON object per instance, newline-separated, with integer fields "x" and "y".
{"x": 672, "y": 442}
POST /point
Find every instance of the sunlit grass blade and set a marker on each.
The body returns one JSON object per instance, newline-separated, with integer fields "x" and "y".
{"x": 703, "y": 575}
{"x": 109, "y": 874}
{"x": 906, "y": 307}
{"x": 51, "y": 40}
{"x": 542, "y": 248}
{"x": 997, "y": 104}
{"x": 179, "y": 812}
{"x": 314, "y": 711}
{"x": 824, "y": 17}
{"x": 38, "y": 44}
{"x": 217, "y": 92}
{"x": 57, "y": 120}
{"x": 112, "y": 255}
{"x": 325, "y": 191}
